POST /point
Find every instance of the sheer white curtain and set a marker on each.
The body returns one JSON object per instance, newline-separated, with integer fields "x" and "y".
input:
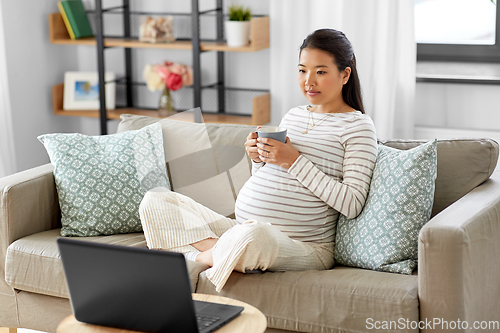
{"x": 7, "y": 156}
{"x": 382, "y": 35}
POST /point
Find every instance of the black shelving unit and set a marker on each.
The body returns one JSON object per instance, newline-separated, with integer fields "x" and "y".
{"x": 129, "y": 89}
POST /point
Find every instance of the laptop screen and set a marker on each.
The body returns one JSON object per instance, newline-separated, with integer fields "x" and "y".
{"x": 127, "y": 287}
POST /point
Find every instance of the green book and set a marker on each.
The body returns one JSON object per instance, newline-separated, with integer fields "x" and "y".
{"x": 66, "y": 22}
{"x": 77, "y": 17}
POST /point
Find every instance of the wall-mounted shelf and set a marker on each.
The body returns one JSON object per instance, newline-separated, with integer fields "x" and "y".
{"x": 260, "y": 114}
{"x": 248, "y": 106}
{"x": 259, "y": 27}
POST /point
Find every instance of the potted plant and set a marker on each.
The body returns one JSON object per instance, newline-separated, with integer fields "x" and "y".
{"x": 238, "y": 26}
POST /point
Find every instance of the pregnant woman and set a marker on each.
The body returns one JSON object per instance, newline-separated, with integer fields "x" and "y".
{"x": 286, "y": 213}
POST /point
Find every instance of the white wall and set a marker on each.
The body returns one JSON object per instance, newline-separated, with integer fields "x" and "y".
{"x": 33, "y": 66}
{"x": 447, "y": 111}
{"x": 457, "y": 110}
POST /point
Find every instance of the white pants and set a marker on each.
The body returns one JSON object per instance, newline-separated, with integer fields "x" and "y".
{"x": 172, "y": 221}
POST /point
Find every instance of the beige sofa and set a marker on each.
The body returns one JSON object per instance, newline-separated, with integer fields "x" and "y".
{"x": 458, "y": 275}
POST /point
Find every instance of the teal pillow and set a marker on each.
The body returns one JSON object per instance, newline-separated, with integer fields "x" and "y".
{"x": 101, "y": 180}
{"x": 384, "y": 236}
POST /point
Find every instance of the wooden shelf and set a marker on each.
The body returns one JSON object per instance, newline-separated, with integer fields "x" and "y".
{"x": 259, "y": 29}
{"x": 260, "y": 114}
{"x": 261, "y": 104}
{"x": 259, "y": 32}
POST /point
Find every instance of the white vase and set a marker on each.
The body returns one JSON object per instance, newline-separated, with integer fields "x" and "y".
{"x": 237, "y": 33}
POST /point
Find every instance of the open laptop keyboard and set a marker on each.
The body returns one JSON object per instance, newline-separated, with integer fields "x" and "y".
{"x": 205, "y": 321}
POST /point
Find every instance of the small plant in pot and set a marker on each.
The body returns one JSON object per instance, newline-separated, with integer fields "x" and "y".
{"x": 238, "y": 26}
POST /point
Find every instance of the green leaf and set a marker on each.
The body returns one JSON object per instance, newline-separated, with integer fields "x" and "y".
{"x": 239, "y": 13}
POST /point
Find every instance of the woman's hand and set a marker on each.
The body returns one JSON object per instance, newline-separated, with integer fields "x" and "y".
{"x": 276, "y": 152}
{"x": 251, "y": 146}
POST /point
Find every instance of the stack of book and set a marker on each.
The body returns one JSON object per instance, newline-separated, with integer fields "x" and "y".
{"x": 75, "y": 19}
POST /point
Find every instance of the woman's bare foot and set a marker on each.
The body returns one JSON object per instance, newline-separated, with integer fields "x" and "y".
{"x": 206, "y": 257}
{"x": 205, "y": 244}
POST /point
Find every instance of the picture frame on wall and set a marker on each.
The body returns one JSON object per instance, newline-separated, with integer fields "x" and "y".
{"x": 81, "y": 91}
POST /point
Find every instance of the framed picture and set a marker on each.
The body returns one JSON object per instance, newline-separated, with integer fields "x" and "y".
{"x": 81, "y": 91}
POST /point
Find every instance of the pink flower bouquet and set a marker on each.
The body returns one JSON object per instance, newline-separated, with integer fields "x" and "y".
{"x": 167, "y": 74}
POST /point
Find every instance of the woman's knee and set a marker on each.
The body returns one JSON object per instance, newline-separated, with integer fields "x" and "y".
{"x": 155, "y": 196}
{"x": 253, "y": 232}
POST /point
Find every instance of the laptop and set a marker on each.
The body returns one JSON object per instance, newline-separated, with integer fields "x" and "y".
{"x": 136, "y": 289}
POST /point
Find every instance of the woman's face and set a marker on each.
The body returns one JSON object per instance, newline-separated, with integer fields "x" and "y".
{"x": 320, "y": 80}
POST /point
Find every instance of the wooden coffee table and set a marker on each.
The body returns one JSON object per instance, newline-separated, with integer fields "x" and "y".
{"x": 251, "y": 320}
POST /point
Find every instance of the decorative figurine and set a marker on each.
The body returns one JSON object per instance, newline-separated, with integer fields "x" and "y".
{"x": 157, "y": 30}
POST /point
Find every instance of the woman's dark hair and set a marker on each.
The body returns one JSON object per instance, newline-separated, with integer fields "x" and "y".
{"x": 336, "y": 43}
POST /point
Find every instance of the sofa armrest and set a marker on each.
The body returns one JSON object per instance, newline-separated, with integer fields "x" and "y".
{"x": 28, "y": 204}
{"x": 458, "y": 257}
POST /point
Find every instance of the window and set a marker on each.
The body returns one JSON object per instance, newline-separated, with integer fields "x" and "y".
{"x": 458, "y": 30}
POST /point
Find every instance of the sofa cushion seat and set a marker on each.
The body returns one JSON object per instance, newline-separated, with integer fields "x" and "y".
{"x": 341, "y": 299}
{"x": 33, "y": 263}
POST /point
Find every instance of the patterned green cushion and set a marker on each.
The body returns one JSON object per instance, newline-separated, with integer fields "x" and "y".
{"x": 384, "y": 236}
{"x": 101, "y": 180}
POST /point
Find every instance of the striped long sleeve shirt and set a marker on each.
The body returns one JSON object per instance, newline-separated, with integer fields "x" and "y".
{"x": 332, "y": 175}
